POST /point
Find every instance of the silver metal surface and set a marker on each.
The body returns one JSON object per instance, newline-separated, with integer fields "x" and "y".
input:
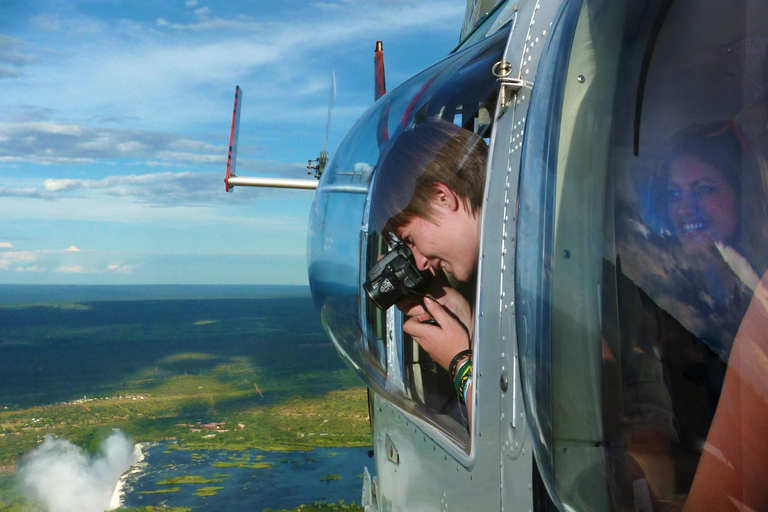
{"x": 237, "y": 181}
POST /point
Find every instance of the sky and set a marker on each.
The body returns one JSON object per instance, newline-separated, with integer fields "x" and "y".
{"x": 115, "y": 119}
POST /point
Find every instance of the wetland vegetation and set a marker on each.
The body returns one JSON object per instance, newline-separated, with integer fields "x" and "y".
{"x": 209, "y": 373}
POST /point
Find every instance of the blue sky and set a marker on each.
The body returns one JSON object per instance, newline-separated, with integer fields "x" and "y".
{"x": 115, "y": 117}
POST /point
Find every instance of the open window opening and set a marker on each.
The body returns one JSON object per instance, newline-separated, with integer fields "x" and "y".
{"x": 465, "y": 101}
{"x": 345, "y": 240}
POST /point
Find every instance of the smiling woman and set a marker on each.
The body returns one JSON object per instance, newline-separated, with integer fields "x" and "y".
{"x": 698, "y": 192}
{"x": 701, "y": 203}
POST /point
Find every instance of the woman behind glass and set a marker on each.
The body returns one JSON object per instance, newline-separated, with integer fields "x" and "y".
{"x": 710, "y": 200}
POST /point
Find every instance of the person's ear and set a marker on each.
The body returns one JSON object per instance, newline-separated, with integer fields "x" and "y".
{"x": 446, "y": 198}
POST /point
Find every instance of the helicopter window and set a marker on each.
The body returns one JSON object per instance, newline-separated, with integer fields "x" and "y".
{"x": 648, "y": 184}
{"x": 465, "y": 100}
{"x": 345, "y": 242}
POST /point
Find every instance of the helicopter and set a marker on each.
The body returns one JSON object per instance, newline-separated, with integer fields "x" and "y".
{"x": 619, "y": 298}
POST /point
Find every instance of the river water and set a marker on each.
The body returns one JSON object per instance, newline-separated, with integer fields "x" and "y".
{"x": 226, "y": 481}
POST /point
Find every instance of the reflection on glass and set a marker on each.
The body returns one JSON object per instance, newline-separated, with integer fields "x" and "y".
{"x": 688, "y": 267}
{"x": 647, "y": 336}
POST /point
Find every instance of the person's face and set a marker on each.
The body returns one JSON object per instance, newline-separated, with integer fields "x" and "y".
{"x": 701, "y": 204}
{"x": 451, "y": 240}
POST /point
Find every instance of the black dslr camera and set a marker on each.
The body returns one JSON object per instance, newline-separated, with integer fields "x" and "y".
{"x": 394, "y": 277}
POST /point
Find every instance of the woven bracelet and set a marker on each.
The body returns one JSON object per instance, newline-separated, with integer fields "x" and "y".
{"x": 462, "y": 384}
{"x": 464, "y": 389}
{"x": 459, "y": 370}
{"x": 455, "y": 362}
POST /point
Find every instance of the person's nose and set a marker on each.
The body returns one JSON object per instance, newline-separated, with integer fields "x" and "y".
{"x": 422, "y": 262}
{"x": 690, "y": 204}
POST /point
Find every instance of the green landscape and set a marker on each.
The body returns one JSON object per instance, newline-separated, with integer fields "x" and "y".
{"x": 213, "y": 373}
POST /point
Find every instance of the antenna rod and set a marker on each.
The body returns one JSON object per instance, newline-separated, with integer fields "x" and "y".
{"x": 271, "y": 183}
{"x": 380, "y": 82}
{"x": 233, "y": 136}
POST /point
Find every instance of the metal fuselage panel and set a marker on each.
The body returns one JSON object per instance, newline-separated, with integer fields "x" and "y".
{"x": 424, "y": 476}
{"x": 500, "y": 239}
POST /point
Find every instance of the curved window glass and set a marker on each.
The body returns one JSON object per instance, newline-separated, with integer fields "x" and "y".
{"x": 642, "y": 257}
{"x": 487, "y": 23}
{"x": 344, "y": 243}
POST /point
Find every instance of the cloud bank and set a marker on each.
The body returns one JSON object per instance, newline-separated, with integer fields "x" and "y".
{"x": 48, "y": 143}
{"x": 10, "y": 259}
{"x": 63, "y": 261}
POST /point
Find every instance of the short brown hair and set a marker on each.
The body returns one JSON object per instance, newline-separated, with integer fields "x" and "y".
{"x": 434, "y": 151}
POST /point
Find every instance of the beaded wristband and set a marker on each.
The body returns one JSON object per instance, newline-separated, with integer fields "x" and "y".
{"x": 463, "y": 394}
{"x": 464, "y": 354}
{"x": 463, "y": 382}
{"x": 459, "y": 370}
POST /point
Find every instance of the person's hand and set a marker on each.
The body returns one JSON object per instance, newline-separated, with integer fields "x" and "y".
{"x": 442, "y": 342}
{"x": 447, "y": 296}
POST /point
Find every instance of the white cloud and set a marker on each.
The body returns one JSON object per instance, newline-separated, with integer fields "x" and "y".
{"x": 20, "y": 192}
{"x": 120, "y": 269}
{"x": 66, "y": 143}
{"x": 7, "y": 259}
{"x": 41, "y": 128}
{"x": 6, "y": 245}
{"x": 46, "y": 160}
{"x": 170, "y": 188}
{"x": 55, "y": 185}
{"x": 71, "y": 260}
{"x": 10, "y": 55}
{"x": 167, "y": 74}
{"x": 191, "y": 158}
{"x": 329, "y": 25}
{"x": 75, "y": 269}
{"x": 135, "y": 182}
{"x": 98, "y": 114}
{"x": 77, "y": 26}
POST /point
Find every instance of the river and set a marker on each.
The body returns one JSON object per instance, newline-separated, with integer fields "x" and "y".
{"x": 226, "y": 481}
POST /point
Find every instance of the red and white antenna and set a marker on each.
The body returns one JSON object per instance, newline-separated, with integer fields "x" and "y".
{"x": 231, "y": 179}
{"x": 380, "y": 82}
{"x": 232, "y": 157}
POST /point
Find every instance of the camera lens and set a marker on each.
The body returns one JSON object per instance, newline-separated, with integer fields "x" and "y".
{"x": 393, "y": 277}
{"x": 382, "y": 292}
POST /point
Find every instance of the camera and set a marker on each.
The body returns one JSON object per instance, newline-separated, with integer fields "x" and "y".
{"x": 394, "y": 277}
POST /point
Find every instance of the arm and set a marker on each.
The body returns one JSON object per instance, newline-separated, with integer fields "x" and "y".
{"x": 442, "y": 342}
{"x": 733, "y": 469}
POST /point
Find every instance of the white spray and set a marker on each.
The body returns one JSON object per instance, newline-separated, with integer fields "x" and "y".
{"x": 62, "y": 478}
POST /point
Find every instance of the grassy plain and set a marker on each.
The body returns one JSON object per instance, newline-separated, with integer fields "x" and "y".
{"x": 212, "y": 373}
